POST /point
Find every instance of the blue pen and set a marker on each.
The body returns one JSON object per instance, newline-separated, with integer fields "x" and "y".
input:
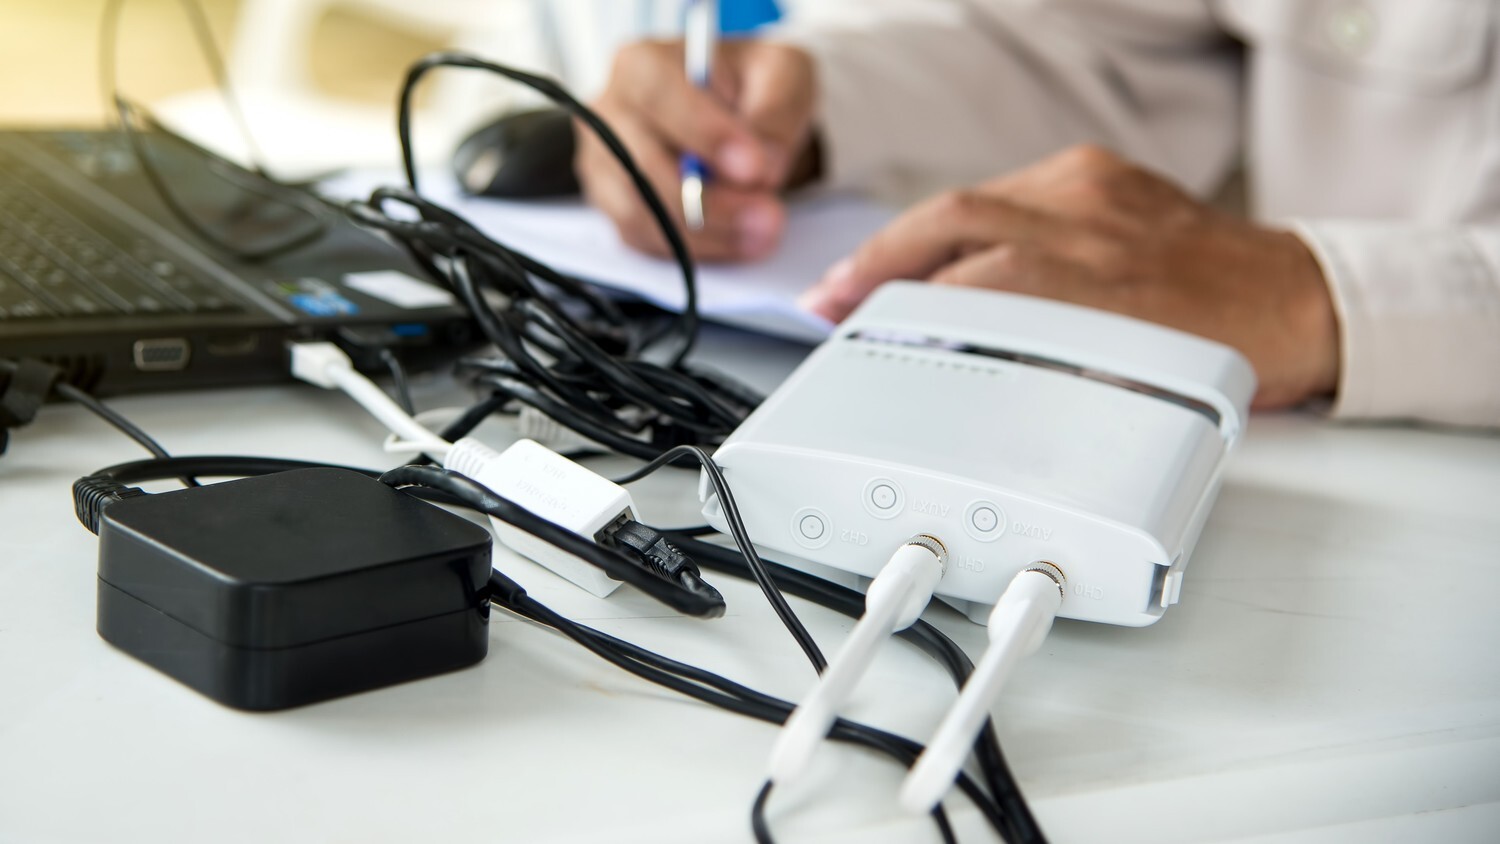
{"x": 701, "y": 30}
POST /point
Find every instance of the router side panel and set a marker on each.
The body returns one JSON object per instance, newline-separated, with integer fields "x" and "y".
{"x": 851, "y": 514}
{"x": 1075, "y": 443}
{"x": 1013, "y": 429}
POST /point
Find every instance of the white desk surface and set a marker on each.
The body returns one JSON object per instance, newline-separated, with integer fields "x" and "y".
{"x": 1332, "y": 674}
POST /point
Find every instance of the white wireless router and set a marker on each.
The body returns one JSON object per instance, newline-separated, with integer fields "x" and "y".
{"x": 1012, "y": 429}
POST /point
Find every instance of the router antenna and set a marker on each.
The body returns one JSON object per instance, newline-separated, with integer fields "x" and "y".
{"x": 895, "y": 599}
{"x": 1017, "y": 626}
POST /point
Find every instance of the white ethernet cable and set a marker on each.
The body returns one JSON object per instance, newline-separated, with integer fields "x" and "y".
{"x": 529, "y": 474}
{"x": 325, "y": 365}
{"x": 555, "y": 488}
{"x": 1017, "y": 627}
{"x": 896, "y": 597}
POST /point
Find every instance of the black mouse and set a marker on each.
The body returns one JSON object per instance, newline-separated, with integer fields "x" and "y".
{"x": 526, "y": 155}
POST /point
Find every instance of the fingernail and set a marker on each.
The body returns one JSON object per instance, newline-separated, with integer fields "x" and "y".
{"x": 815, "y": 300}
{"x": 824, "y": 298}
{"x": 739, "y": 161}
{"x": 838, "y": 275}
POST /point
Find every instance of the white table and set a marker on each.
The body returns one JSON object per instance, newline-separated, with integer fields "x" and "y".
{"x": 1332, "y": 674}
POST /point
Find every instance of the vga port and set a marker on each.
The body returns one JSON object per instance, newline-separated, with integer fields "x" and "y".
{"x": 163, "y": 354}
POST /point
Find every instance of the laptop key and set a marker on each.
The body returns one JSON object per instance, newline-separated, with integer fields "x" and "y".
{"x": 27, "y": 310}
{"x": 147, "y": 303}
{"x": 19, "y": 303}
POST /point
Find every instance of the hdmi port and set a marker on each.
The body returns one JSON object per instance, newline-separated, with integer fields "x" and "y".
{"x": 161, "y": 355}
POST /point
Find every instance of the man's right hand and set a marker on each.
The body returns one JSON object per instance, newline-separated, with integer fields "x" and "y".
{"x": 752, "y": 131}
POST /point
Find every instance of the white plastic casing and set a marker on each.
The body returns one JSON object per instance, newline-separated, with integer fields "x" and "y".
{"x": 553, "y": 487}
{"x": 1012, "y": 428}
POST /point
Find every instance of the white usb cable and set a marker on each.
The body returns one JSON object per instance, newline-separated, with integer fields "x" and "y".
{"x": 895, "y": 599}
{"x": 325, "y": 365}
{"x": 1017, "y": 626}
{"x": 527, "y": 473}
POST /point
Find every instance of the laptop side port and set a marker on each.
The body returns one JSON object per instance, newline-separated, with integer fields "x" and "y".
{"x": 233, "y": 345}
{"x": 162, "y": 354}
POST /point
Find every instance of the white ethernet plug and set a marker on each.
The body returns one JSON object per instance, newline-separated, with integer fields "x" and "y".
{"x": 555, "y": 488}
{"x": 1012, "y": 428}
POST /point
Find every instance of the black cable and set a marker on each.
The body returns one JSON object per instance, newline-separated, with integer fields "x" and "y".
{"x": 559, "y": 95}
{"x": 573, "y": 344}
{"x": 108, "y": 414}
{"x": 1019, "y": 825}
{"x": 202, "y": 33}
{"x": 475, "y": 415}
{"x": 450, "y": 487}
{"x": 700, "y": 603}
{"x": 566, "y": 349}
{"x": 698, "y": 683}
{"x": 212, "y": 466}
{"x": 725, "y": 694}
{"x": 742, "y": 541}
{"x": 758, "y": 823}
{"x": 399, "y": 382}
{"x": 761, "y": 827}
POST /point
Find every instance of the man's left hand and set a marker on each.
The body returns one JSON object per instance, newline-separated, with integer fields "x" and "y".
{"x": 1087, "y": 227}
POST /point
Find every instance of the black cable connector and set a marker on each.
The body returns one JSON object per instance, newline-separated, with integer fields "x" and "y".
{"x": 24, "y": 386}
{"x": 663, "y": 558}
{"x": 94, "y": 493}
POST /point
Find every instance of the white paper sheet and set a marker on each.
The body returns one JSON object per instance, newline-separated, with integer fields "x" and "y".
{"x": 574, "y": 238}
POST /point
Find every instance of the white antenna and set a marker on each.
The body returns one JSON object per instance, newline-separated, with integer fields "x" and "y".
{"x": 1018, "y": 625}
{"x": 895, "y": 599}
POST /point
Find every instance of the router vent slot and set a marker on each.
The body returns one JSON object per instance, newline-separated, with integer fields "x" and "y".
{"x": 915, "y": 341}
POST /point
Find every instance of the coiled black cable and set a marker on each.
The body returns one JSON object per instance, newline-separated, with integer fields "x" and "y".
{"x": 564, "y": 347}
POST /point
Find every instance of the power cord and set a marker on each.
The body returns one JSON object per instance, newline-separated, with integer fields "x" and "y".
{"x": 29, "y": 382}
{"x": 742, "y": 541}
{"x": 691, "y": 599}
{"x": 40, "y": 380}
{"x": 565, "y": 349}
{"x": 1011, "y": 817}
{"x": 400, "y": 384}
{"x": 715, "y": 690}
{"x": 998, "y": 800}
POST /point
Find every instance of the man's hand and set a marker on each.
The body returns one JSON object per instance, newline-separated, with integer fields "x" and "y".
{"x": 1085, "y": 226}
{"x": 751, "y": 130}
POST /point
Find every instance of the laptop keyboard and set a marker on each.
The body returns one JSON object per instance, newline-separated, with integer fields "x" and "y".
{"x": 53, "y": 266}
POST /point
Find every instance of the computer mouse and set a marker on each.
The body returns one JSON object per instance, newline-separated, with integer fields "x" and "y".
{"x": 525, "y": 155}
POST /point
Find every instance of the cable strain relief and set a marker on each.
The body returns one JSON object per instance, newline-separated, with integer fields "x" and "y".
{"x": 507, "y": 591}
{"x": 94, "y": 493}
{"x": 692, "y": 581}
{"x": 470, "y": 457}
{"x": 533, "y": 424}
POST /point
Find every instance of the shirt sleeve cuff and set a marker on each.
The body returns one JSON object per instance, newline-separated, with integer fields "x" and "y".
{"x": 1419, "y": 318}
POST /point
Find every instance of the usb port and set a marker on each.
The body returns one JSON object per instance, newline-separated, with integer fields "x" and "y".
{"x": 163, "y": 354}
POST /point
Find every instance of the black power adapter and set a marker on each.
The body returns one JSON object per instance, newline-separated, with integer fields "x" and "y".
{"x": 285, "y": 589}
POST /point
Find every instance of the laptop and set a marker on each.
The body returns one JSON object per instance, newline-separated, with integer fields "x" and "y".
{"x": 132, "y": 272}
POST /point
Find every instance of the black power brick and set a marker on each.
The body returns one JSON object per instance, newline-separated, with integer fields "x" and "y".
{"x": 285, "y": 589}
